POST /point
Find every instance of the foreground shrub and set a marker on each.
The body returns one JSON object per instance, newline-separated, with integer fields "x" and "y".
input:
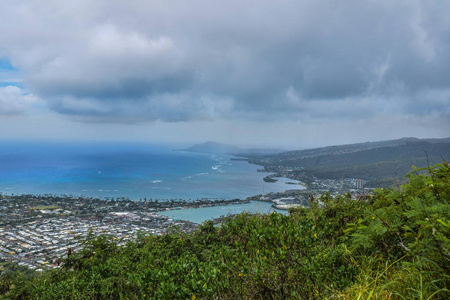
{"x": 392, "y": 244}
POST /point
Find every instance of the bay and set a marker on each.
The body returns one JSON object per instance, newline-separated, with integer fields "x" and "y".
{"x": 201, "y": 214}
{"x": 132, "y": 170}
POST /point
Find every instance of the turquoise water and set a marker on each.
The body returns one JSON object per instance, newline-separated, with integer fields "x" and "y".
{"x": 134, "y": 171}
{"x": 199, "y": 215}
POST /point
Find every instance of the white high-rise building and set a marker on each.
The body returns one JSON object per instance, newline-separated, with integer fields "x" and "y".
{"x": 359, "y": 184}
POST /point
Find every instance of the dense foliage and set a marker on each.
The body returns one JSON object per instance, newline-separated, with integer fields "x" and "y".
{"x": 382, "y": 165}
{"x": 392, "y": 244}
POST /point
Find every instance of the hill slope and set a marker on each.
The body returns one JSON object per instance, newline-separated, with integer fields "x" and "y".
{"x": 369, "y": 161}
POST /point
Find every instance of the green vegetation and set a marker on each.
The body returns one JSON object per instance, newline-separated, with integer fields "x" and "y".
{"x": 45, "y": 207}
{"x": 392, "y": 244}
{"x": 381, "y": 164}
{"x": 269, "y": 179}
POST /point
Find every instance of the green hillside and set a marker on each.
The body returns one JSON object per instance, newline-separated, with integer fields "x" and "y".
{"x": 376, "y": 163}
{"x": 393, "y": 244}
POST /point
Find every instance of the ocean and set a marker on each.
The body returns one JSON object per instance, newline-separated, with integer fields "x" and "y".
{"x": 131, "y": 170}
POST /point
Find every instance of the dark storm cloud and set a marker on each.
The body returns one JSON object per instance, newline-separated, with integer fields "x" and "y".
{"x": 133, "y": 61}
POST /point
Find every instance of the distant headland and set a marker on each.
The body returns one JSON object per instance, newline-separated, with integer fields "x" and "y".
{"x": 218, "y": 148}
{"x": 375, "y": 164}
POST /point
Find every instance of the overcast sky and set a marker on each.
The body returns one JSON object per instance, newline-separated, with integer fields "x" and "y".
{"x": 279, "y": 73}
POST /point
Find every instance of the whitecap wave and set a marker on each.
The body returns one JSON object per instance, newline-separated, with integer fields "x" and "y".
{"x": 194, "y": 175}
{"x": 156, "y": 181}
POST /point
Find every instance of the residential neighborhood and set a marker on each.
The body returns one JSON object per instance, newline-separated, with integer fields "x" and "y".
{"x": 36, "y": 231}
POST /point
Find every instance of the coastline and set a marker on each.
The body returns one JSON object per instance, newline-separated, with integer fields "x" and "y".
{"x": 159, "y": 174}
{"x": 36, "y": 230}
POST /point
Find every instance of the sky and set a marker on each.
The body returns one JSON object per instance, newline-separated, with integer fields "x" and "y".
{"x": 292, "y": 74}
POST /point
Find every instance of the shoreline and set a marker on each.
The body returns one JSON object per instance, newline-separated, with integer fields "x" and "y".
{"x": 37, "y": 230}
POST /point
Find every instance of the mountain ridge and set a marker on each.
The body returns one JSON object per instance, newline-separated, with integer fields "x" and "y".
{"x": 384, "y": 161}
{"x": 219, "y": 148}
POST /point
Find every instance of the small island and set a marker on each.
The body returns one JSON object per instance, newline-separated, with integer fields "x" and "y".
{"x": 269, "y": 179}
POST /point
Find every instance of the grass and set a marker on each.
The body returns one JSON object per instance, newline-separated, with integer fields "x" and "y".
{"x": 45, "y": 207}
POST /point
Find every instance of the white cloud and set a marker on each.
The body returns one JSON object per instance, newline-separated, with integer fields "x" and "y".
{"x": 174, "y": 61}
{"x": 14, "y": 101}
